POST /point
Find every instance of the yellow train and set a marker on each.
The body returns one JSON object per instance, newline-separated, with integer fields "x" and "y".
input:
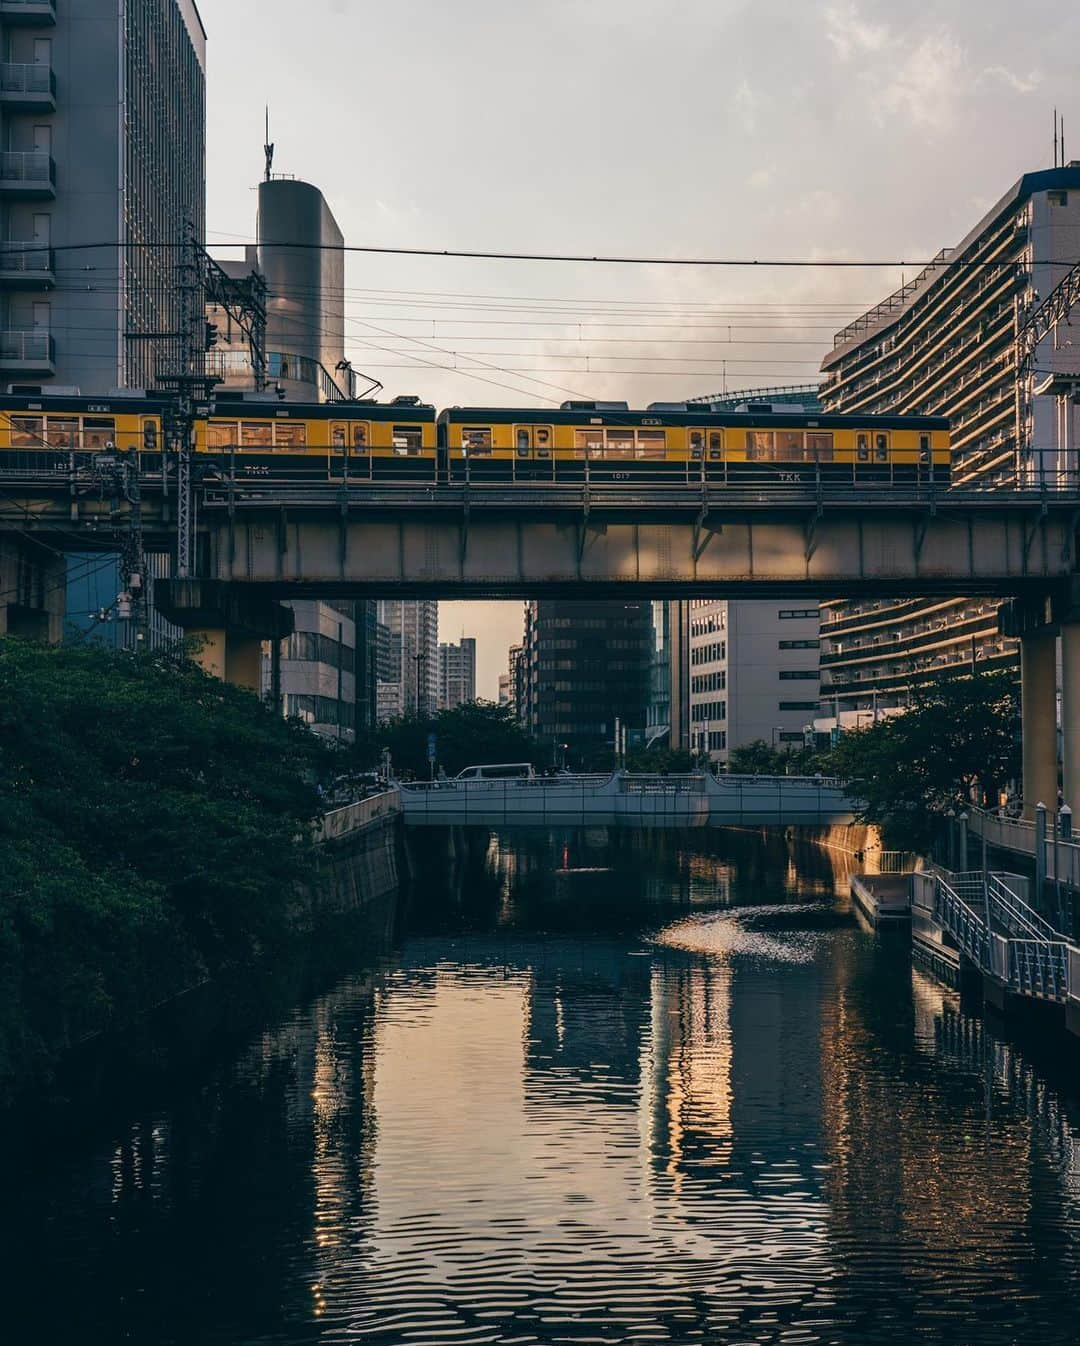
{"x": 607, "y": 441}
{"x": 261, "y": 438}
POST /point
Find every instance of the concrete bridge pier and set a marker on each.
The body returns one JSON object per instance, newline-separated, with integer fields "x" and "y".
{"x": 1070, "y": 712}
{"x": 1038, "y": 679}
{"x": 32, "y": 589}
{"x": 229, "y": 626}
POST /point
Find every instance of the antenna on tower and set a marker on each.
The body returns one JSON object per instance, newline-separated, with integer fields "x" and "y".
{"x": 268, "y": 148}
{"x": 1055, "y": 138}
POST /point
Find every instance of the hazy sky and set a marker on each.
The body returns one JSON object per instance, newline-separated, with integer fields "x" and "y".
{"x": 656, "y": 127}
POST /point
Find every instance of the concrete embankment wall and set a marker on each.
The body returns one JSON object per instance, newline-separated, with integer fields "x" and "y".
{"x": 353, "y": 871}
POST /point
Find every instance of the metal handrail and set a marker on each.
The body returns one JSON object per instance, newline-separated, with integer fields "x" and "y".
{"x": 26, "y": 166}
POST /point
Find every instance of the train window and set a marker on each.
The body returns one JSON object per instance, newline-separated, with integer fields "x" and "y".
{"x": 819, "y": 446}
{"x": 620, "y": 444}
{"x": 543, "y": 436}
{"x": 697, "y": 443}
{"x": 338, "y": 437}
{"x": 759, "y": 444}
{"x": 477, "y": 439}
{"x": 149, "y": 435}
{"x": 406, "y": 440}
{"x": 652, "y": 443}
{"x": 361, "y": 437}
{"x": 522, "y": 438}
{"x": 716, "y": 445}
{"x": 789, "y": 445}
{"x": 62, "y": 432}
{"x": 27, "y": 432}
{"x": 924, "y": 448}
{"x": 98, "y": 432}
{"x": 862, "y": 447}
{"x": 588, "y": 442}
{"x": 881, "y": 448}
{"x": 256, "y": 434}
{"x": 220, "y": 434}
{"x": 290, "y": 434}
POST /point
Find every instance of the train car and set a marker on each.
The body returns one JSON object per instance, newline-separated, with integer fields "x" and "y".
{"x": 256, "y": 436}
{"x": 677, "y": 443}
{"x": 49, "y": 432}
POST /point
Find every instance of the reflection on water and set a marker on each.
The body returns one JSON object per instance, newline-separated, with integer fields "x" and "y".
{"x": 652, "y": 1090}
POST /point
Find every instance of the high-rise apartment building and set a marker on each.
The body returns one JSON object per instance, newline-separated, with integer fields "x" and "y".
{"x": 457, "y": 673}
{"x": 586, "y": 667}
{"x": 753, "y": 674}
{"x": 413, "y": 626}
{"x": 944, "y": 344}
{"x": 103, "y": 129}
{"x": 318, "y": 669}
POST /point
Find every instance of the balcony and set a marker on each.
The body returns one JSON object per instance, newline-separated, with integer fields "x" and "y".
{"x": 27, "y": 352}
{"x": 28, "y": 175}
{"x": 29, "y": 13}
{"x": 27, "y": 88}
{"x": 26, "y": 266}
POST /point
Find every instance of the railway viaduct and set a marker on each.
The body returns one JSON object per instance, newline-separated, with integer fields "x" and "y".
{"x": 257, "y": 544}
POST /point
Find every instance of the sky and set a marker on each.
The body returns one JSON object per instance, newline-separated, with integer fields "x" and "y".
{"x": 658, "y": 128}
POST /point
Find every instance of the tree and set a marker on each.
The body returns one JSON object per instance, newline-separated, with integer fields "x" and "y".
{"x": 960, "y": 731}
{"x": 153, "y": 823}
{"x": 470, "y": 734}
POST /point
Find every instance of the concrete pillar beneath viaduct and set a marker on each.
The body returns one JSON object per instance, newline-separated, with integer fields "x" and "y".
{"x": 33, "y": 580}
{"x": 228, "y": 625}
{"x": 1070, "y": 713}
{"x": 1038, "y": 674}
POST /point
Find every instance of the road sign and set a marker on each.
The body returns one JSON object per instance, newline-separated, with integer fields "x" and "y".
{"x": 431, "y": 747}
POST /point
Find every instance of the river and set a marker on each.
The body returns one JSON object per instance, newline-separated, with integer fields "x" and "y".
{"x": 649, "y": 1089}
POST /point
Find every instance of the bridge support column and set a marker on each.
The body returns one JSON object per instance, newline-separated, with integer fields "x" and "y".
{"x": 208, "y": 649}
{"x": 232, "y": 625}
{"x": 1070, "y": 712}
{"x": 243, "y": 662}
{"x": 1038, "y": 675}
{"x": 32, "y": 590}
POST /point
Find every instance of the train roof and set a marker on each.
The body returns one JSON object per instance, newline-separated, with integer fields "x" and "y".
{"x": 598, "y": 414}
{"x": 266, "y": 404}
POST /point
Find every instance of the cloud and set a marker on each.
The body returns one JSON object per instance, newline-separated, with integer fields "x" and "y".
{"x": 852, "y": 35}
{"x": 925, "y": 86}
{"x": 746, "y": 106}
{"x": 761, "y": 178}
{"x": 1019, "y": 83}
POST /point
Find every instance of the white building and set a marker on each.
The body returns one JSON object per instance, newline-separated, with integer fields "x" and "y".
{"x": 754, "y": 674}
{"x": 457, "y": 673}
{"x": 413, "y": 626}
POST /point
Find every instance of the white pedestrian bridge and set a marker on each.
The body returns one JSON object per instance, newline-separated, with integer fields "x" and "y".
{"x": 625, "y": 800}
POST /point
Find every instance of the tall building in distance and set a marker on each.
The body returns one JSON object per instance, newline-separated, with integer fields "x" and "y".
{"x": 103, "y": 108}
{"x": 457, "y": 673}
{"x": 413, "y": 657}
{"x": 944, "y": 344}
{"x": 585, "y": 673}
{"x": 754, "y": 674}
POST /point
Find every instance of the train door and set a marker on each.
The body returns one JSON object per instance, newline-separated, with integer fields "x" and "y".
{"x": 338, "y": 452}
{"x": 695, "y": 457}
{"x": 873, "y": 458}
{"x": 534, "y": 458}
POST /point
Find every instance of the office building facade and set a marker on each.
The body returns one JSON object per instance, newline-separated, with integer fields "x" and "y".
{"x": 753, "y": 674}
{"x": 945, "y": 344}
{"x": 413, "y": 658}
{"x": 103, "y": 108}
{"x": 457, "y": 673}
{"x": 586, "y": 674}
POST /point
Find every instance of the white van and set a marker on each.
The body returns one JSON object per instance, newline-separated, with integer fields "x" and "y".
{"x": 498, "y": 771}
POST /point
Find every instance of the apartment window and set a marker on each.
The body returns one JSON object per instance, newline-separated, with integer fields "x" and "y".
{"x": 786, "y": 614}
{"x": 791, "y": 736}
{"x": 799, "y": 675}
{"x": 798, "y": 705}
{"x": 717, "y": 740}
{"x": 800, "y": 644}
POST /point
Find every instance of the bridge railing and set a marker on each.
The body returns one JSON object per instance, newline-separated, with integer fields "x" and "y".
{"x": 339, "y": 822}
{"x": 1061, "y": 856}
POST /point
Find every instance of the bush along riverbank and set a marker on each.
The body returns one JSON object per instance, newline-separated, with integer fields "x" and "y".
{"x": 154, "y": 829}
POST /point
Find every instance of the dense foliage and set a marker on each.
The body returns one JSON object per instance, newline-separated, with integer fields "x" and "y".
{"x": 471, "y": 734}
{"x": 961, "y": 732}
{"x": 152, "y": 820}
{"x": 759, "y": 758}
